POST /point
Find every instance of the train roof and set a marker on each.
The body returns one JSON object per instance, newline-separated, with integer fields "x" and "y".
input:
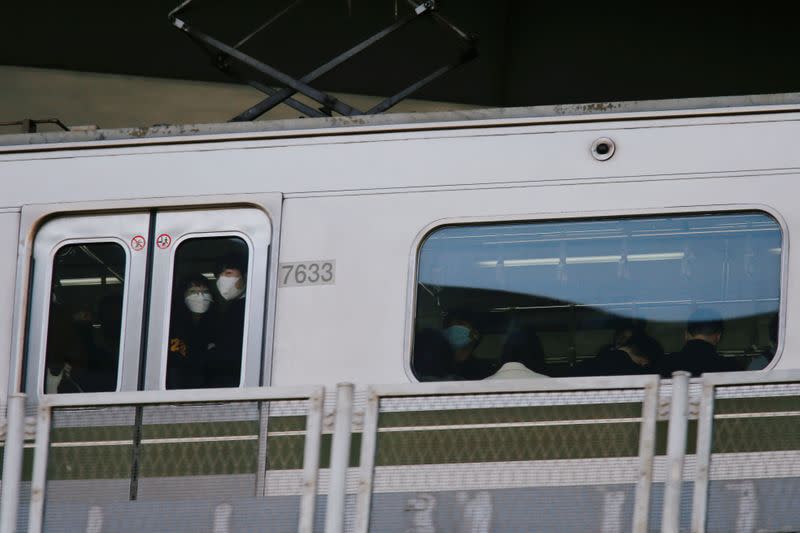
{"x": 514, "y": 116}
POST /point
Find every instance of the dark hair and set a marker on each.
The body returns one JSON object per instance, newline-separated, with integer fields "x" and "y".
{"x": 523, "y": 346}
{"x": 459, "y": 316}
{"x": 645, "y": 346}
{"x": 704, "y": 322}
{"x": 232, "y": 261}
{"x": 192, "y": 280}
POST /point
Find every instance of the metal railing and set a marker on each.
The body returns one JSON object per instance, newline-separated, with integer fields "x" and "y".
{"x": 558, "y": 454}
{"x": 514, "y": 404}
{"x": 747, "y": 451}
{"x": 156, "y": 424}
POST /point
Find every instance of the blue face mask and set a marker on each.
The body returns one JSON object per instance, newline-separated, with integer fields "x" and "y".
{"x": 458, "y": 336}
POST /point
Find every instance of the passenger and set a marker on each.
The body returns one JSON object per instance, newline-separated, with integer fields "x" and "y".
{"x": 760, "y": 361}
{"x": 699, "y": 355}
{"x": 433, "y": 356}
{"x": 224, "y": 368}
{"x": 191, "y": 336}
{"x": 463, "y": 339}
{"x": 624, "y": 329}
{"x": 522, "y": 357}
{"x": 639, "y": 354}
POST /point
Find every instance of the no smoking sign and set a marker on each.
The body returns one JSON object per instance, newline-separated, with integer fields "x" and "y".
{"x": 138, "y": 243}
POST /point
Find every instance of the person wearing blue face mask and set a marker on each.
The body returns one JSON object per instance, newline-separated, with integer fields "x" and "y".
{"x": 463, "y": 339}
{"x": 192, "y": 342}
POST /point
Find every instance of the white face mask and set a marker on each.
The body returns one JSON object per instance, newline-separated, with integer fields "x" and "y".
{"x": 198, "y": 302}
{"x": 226, "y": 285}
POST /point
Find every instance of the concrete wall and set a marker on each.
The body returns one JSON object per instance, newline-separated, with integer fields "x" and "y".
{"x": 115, "y": 101}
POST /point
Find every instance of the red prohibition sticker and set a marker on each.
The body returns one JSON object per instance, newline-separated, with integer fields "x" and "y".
{"x": 163, "y": 241}
{"x": 138, "y": 243}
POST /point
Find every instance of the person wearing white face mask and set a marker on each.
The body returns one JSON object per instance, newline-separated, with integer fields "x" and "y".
{"x": 192, "y": 342}
{"x": 230, "y": 284}
{"x": 225, "y": 368}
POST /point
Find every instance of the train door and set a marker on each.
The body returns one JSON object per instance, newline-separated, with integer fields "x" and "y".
{"x": 148, "y": 300}
{"x": 221, "y": 255}
{"x": 87, "y": 299}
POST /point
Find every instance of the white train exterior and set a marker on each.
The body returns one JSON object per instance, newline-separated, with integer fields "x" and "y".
{"x": 353, "y": 200}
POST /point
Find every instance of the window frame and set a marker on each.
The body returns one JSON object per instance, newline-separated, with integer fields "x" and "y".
{"x": 167, "y": 314}
{"x": 587, "y": 216}
{"x": 48, "y": 282}
{"x": 255, "y": 227}
{"x": 48, "y": 239}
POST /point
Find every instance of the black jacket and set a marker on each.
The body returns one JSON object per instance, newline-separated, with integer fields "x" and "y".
{"x": 612, "y": 362}
{"x": 192, "y": 345}
{"x": 698, "y": 357}
{"x": 224, "y": 368}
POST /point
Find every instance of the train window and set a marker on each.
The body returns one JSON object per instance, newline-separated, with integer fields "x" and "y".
{"x": 207, "y": 313}
{"x": 598, "y": 297}
{"x": 85, "y": 318}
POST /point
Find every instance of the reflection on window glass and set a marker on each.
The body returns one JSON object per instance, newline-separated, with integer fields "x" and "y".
{"x": 598, "y": 297}
{"x": 208, "y": 313}
{"x": 85, "y": 320}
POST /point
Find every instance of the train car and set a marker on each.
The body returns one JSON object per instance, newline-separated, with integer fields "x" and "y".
{"x": 401, "y": 248}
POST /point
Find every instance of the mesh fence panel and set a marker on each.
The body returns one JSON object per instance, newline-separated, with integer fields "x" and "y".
{"x": 222, "y": 467}
{"x": 755, "y": 459}
{"x": 89, "y": 464}
{"x": 657, "y": 496}
{"x": 521, "y": 461}
{"x": 543, "y": 461}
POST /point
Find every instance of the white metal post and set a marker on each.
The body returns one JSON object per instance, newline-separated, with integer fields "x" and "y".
{"x": 369, "y": 438}
{"x": 705, "y": 427}
{"x": 12, "y": 463}
{"x": 340, "y": 459}
{"x": 647, "y": 445}
{"x": 676, "y": 452}
{"x": 263, "y": 429}
{"x": 313, "y": 440}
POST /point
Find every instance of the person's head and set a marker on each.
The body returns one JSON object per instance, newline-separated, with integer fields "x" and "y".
{"x": 624, "y": 329}
{"x": 705, "y": 325}
{"x": 642, "y": 349}
{"x": 231, "y": 277}
{"x": 523, "y": 346}
{"x": 197, "y": 294}
{"x": 462, "y": 337}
